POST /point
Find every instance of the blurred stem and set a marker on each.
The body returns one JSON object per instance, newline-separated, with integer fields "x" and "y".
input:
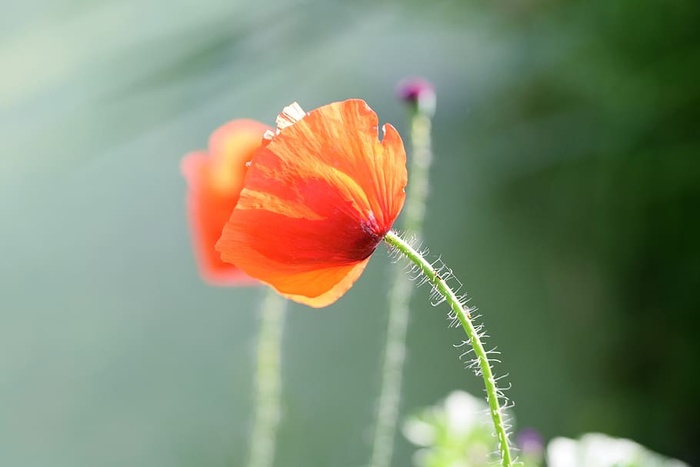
{"x": 268, "y": 380}
{"x": 400, "y": 298}
{"x": 440, "y": 285}
{"x": 414, "y": 210}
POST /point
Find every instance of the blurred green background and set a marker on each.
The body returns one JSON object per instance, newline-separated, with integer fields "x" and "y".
{"x": 565, "y": 195}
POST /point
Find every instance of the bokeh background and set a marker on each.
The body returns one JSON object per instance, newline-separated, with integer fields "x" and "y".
{"x": 565, "y": 195}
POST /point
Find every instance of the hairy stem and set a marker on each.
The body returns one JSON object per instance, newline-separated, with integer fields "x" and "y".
{"x": 267, "y": 381}
{"x": 462, "y": 313}
{"x": 400, "y": 293}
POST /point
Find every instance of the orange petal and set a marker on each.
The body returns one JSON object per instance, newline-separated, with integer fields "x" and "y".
{"x": 317, "y": 200}
{"x": 335, "y": 291}
{"x": 215, "y": 180}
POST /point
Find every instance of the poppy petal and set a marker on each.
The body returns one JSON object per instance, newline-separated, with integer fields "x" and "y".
{"x": 317, "y": 200}
{"x": 336, "y": 289}
{"x": 215, "y": 179}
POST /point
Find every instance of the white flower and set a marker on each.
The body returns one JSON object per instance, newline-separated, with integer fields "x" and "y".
{"x": 599, "y": 450}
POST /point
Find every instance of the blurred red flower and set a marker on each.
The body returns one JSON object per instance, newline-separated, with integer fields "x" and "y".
{"x": 319, "y": 196}
{"x": 215, "y": 179}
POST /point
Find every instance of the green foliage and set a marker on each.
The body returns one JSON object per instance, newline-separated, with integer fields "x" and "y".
{"x": 457, "y": 433}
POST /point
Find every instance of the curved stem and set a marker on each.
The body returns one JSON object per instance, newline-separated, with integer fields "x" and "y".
{"x": 400, "y": 297}
{"x": 462, "y": 313}
{"x": 267, "y": 381}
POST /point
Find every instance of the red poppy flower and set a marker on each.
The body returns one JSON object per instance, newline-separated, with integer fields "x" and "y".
{"x": 215, "y": 179}
{"x": 318, "y": 198}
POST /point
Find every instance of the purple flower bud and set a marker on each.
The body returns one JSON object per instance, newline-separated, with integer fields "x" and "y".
{"x": 419, "y": 92}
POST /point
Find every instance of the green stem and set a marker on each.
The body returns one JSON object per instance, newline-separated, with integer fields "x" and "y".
{"x": 417, "y": 190}
{"x": 392, "y": 372}
{"x": 268, "y": 381}
{"x": 462, "y": 313}
{"x": 400, "y": 298}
